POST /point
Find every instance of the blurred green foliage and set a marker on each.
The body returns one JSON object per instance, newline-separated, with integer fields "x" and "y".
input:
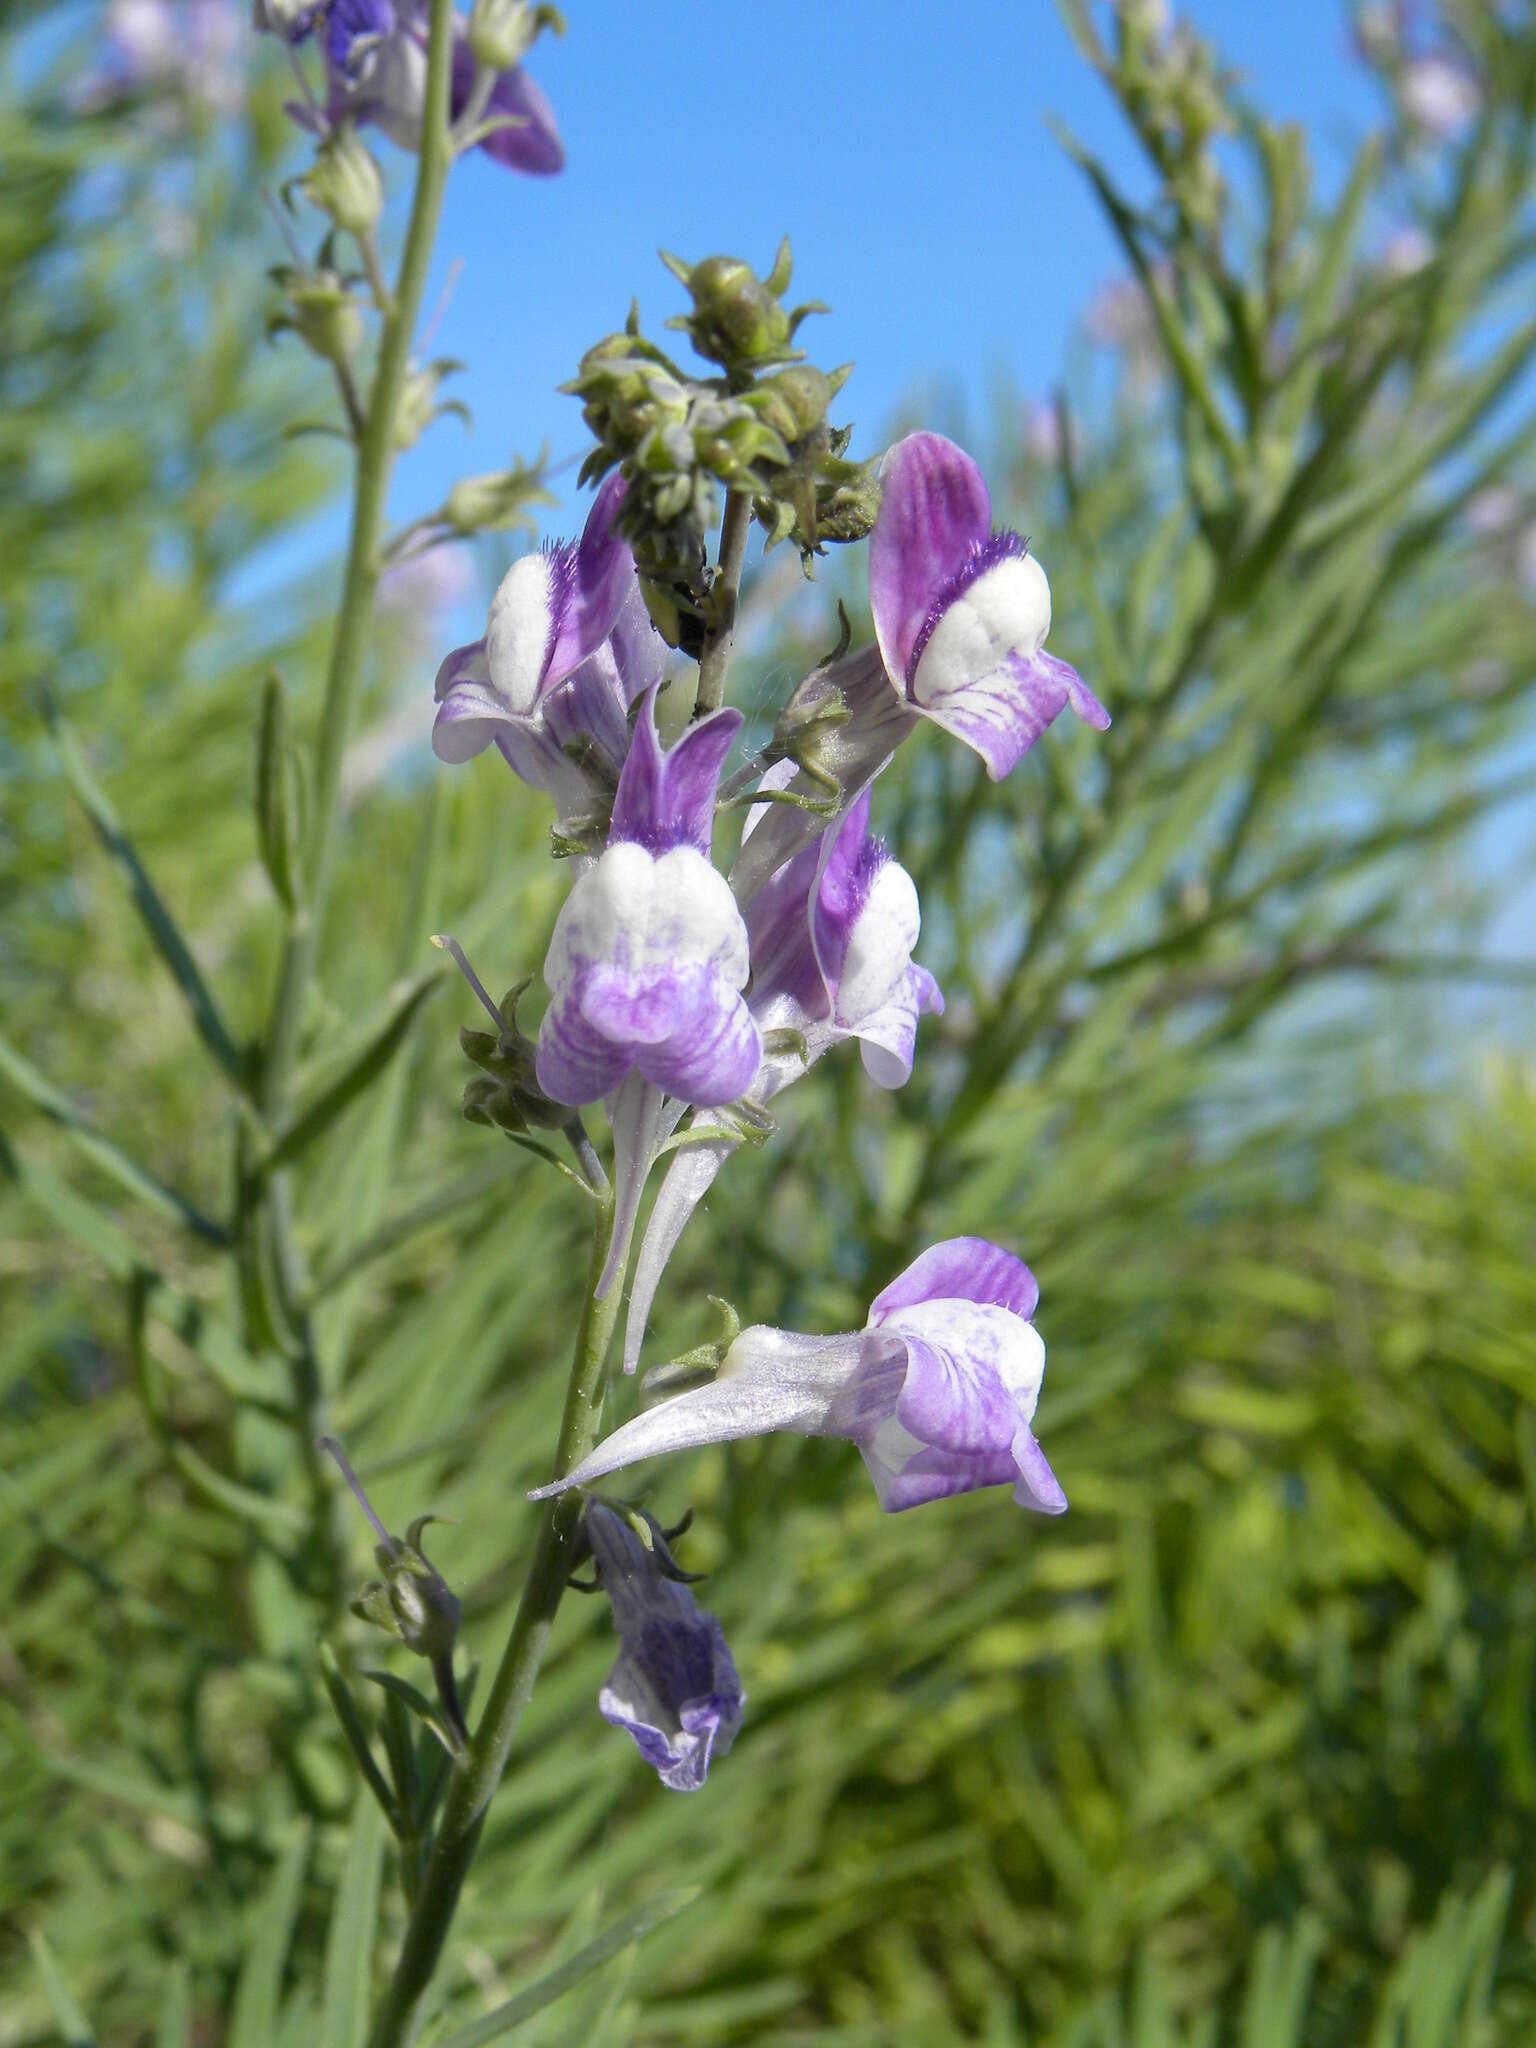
{"x": 1243, "y": 1750}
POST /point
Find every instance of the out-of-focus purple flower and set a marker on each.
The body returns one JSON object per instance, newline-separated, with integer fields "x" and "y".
{"x": 831, "y": 941}
{"x": 1042, "y": 433}
{"x": 568, "y": 649}
{"x": 186, "y": 46}
{"x": 673, "y": 1685}
{"x": 961, "y": 613}
{"x": 1408, "y": 250}
{"x": 938, "y": 1391}
{"x": 376, "y": 72}
{"x": 1440, "y": 96}
{"x": 1493, "y": 511}
{"x": 426, "y": 583}
{"x": 649, "y": 954}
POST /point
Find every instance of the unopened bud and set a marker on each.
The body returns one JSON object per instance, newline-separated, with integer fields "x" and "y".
{"x": 501, "y": 32}
{"x": 496, "y": 498}
{"x": 322, "y": 312}
{"x": 344, "y": 181}
{"x": 413, "y": 1601}
{"x": 419, "y": 404}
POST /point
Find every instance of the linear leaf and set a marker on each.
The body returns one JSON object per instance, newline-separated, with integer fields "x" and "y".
{"x": 349, "y": 1944}
{"x": 158, "y": 921}
{"x": 366, "y": 1063}
{"x": 258, "y": 1994}
{"x": 633, "y": 1927}
{"x": 72, "y": 2024}
{"x": 104, "y": 1151}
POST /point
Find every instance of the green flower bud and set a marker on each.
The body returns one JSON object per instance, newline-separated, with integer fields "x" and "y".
{"x": 321, "y": 311}
{"x": 419, "y": 404}
{"x": 735, "y": 316}
{"x": 344, "y": 181}
{"x": 501, "y": 32}
{"x": 496, "y": 498}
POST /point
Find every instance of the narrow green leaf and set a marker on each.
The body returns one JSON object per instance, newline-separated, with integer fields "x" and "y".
{"x": 377, "y": 1048}
{"x": 258, "y": 1994}
{"x": 349, "y": 1944}
{"x": 237, "y": 1499}
{"x": 469, "y": 1187}
{"x": 197, "y": 1325}
{"x": 633, "y": 1927}
{"x": 175, "y": 2029}
{"x": 158, "y": 921}
{"x": 340, "y": 1695}
{"x": 73, "y": 2026}
{"x": 279, "y": 829}
{"x": 104, "y": 1151}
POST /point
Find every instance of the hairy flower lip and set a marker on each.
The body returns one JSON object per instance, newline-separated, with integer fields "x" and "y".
{"x": 649, "y": 953}
{"x": 980, "y": 556}
{"x": 961, "y": 613}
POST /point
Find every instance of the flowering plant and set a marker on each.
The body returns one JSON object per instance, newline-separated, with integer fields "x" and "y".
{"x": 684, "y": 995}
{"x": 1290, "y": 553}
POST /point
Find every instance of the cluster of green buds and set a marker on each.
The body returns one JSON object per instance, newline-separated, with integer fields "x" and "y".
{"x": 412, "y": 1602}
{"x": 1180, "y": 99}
{"x": 504, "y": 1092}
{"x": 758, "y": 428}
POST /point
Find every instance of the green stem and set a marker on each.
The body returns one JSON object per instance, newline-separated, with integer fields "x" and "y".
{"x": 349, "y": 648}
{"x": 375, "y": 460}
{"x": 477, "y": 1774}
{"x": 715, "y": 655}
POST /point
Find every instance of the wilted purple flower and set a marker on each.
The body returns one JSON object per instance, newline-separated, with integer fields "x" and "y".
{"x": 568, "y": 648}
{"x": 961, "y": 613}
{"x": 673, "y": 1685}
{"x": 831, "y": 942}
{"x": 938, "y": 1390}
{"x": 376, "y": 72}
{"x": 649, "y": 954}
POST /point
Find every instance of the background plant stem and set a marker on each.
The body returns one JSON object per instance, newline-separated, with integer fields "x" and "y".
{"x": 269, "y": 1254}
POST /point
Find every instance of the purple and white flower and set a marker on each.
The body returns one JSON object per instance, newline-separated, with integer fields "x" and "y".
{"x": 649, "y": 954}
{"x": 961, "y": 613}
{"x": 376, "y": 73}
{"x": 673, "y": 1685}
{"x": 831, "y": 942}
{"x": 938, "y": 1391}
{"x": 568, "y": 648}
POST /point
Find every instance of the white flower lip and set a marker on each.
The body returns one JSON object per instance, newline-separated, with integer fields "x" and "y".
{"x": 1007, "y": 609}
{"x": 518, "y": 635}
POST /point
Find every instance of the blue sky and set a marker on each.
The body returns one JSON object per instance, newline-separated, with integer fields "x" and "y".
{"x": 904, "y": 148}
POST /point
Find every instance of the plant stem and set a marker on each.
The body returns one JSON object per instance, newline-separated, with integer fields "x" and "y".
{"x": 715, "y": 654}
{"x": 477, "y": 1774}
{"x": 349, "y": 647}
{"x": 375, "y": 460}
